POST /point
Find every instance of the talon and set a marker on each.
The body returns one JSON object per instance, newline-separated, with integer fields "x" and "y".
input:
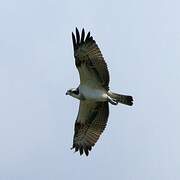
{"x": 112, "y": 101}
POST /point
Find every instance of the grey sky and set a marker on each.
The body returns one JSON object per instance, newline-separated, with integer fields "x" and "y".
{"x": 140, "y": 41}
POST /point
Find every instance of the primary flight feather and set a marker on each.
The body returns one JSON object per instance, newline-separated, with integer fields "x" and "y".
{"x": 93, "y": 93}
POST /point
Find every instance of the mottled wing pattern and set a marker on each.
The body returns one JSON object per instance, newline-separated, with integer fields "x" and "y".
{"x": 91, "y": 121}
{"x": 89, "y": 60}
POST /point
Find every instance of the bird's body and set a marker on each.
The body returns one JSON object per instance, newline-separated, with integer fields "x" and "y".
{"x": 93, "y": 93}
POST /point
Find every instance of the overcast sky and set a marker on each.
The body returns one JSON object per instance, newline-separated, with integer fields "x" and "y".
{"x": 140, "y": 41}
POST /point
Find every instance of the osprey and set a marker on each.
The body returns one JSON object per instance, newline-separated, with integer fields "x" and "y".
{"x": 93, "y": 93}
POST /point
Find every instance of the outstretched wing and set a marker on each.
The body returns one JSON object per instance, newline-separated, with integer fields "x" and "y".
{"x": 91, "y": 121}
{"x": 89, "y": 60}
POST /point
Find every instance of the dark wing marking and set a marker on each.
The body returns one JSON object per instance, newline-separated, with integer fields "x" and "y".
{"x": 88, "y": 57}
{"x": 91, "y": 122}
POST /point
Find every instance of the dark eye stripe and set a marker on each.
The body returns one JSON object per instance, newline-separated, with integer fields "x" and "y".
{"x": 76, "y": 91}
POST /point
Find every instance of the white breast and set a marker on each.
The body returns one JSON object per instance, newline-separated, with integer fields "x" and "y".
{"x": 92, "y": 94}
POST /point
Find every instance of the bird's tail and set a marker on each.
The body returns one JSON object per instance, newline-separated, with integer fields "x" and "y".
{"x": 124, "y": 99}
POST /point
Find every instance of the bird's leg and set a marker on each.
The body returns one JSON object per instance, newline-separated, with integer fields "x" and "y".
{"x": 112, "y": 101}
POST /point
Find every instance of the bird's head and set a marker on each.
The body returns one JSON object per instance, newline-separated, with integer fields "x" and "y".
{"x": 74, "y": 92}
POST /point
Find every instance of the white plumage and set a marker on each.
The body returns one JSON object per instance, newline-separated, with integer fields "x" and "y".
{"x": 93, "y": 94}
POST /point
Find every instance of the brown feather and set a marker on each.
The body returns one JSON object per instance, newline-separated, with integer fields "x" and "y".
{"x": 82, "y": 36}
{"x": 88, "y": 131}
{"x": 88, "y": 54}
{"x": 77, "y": 37}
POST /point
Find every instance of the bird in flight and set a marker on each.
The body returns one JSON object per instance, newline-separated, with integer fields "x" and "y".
{"x": 93, "y": 93}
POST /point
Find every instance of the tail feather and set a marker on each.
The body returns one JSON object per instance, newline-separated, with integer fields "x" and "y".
{"x": 124, "y": 99}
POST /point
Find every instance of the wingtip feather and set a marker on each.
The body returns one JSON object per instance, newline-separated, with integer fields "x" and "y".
{"x": 87, "y": 37}
{"x": 77, "y": 36}
{"x": 82, "y": 149}
{"x": 74, "y": 41}
{"x": 82, "y": 36}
